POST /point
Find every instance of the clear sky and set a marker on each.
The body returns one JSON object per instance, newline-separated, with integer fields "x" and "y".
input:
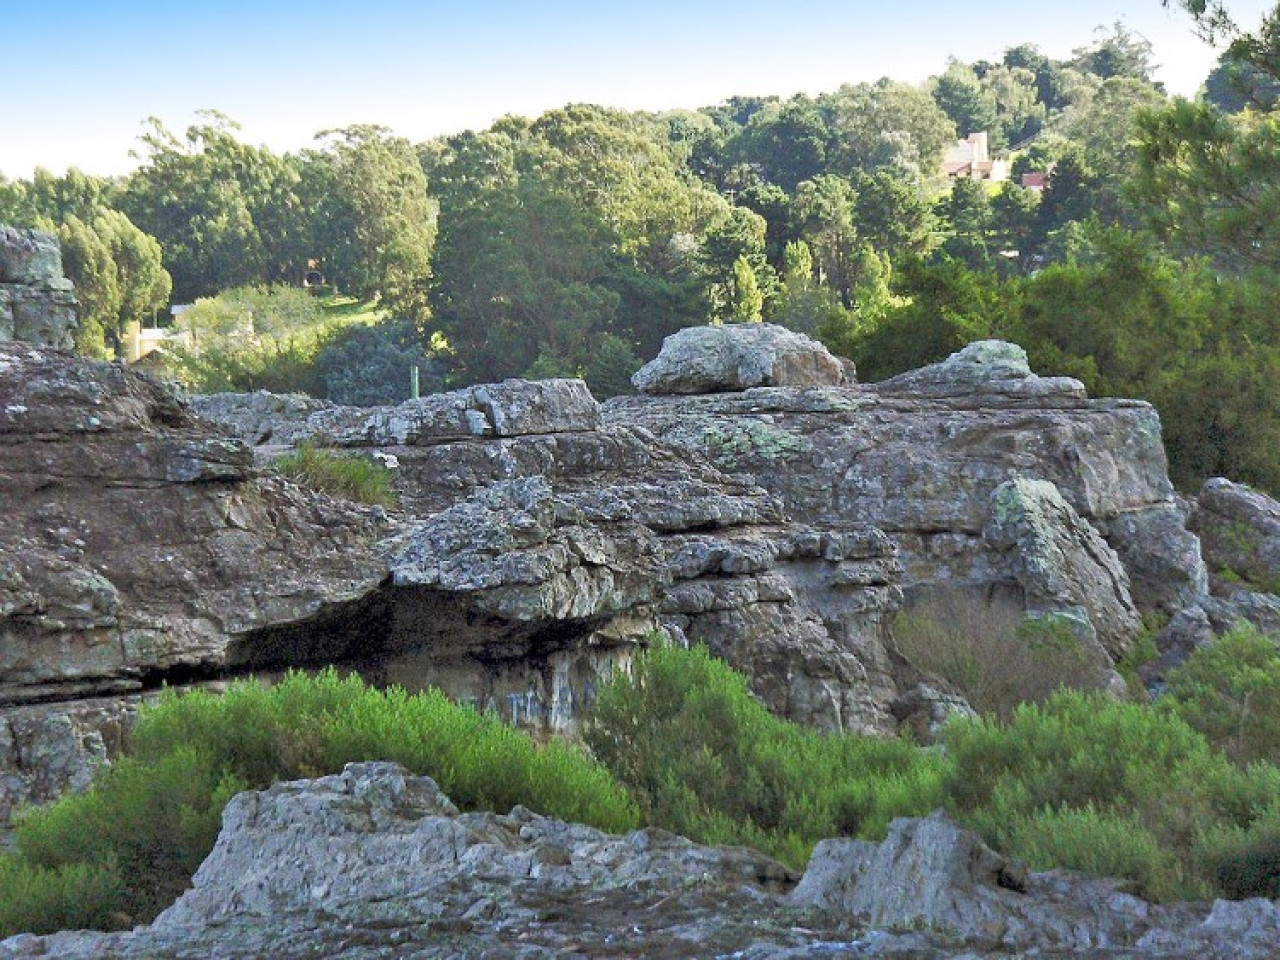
{"x": 81, "y": 76}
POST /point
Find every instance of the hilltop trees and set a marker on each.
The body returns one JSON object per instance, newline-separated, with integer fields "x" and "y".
{"x": 118, "y": 274}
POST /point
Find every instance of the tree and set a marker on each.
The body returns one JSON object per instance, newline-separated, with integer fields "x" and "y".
{"x": 608, "y": 372}
{"x": 380, "y": 230}
{"x": 786, "y": 142}
{"x": 1233, "y": 85}
{"x": 824, "y": 219}
{"x": 1210, "y": 183}
{"x": 1049, "y": 74}
{"x": 972, "y": 109}
{"x": 118, "y": 275}
{"x": 86, "y": 258}
{"x": 225, "y": 213}
{"x": 891, "y": 213}
{"x": 522, "y": 265}
{"x": 1103, "y": 126}
{"x": 1121, "y": 53}
{"x": 371, "y": 365}
{"x": 747, "y": 303}
{"x": 887, "y": 124}
{"x": 1214, "y": 23}
{"x": 966, "y": 210}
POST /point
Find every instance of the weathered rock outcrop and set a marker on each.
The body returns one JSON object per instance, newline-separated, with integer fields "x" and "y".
{"x": 535, "y": 550}
{"x": 138, "y": 547}
{"x": 1062, "y": 564}
{"x": 37, "y": 303}
{"x": 738, "y": 357}
{"x": 373, "y": 862}
{"x": 542, "y": 537}
{"x": 921, "y": 456}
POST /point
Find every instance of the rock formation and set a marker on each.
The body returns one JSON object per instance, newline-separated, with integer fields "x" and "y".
{"x": 37, "y": 303}
{"x": 716, "y": 359}
{"x": 375, "y": 863}
{"x": 541, "y": 538}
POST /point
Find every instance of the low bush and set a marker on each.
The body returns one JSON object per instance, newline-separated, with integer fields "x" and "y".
{"x": 1093, "y": 783}
{"x": 350, "y": 477}
{"x": 121, "y": 852}
{"x": 704, "y": 758}
{"x": 1247, "y": 864}
{"x": 1230, "y": 692}
{"x": 992, "y": 653}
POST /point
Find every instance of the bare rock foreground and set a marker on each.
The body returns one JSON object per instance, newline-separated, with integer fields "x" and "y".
{"x": 375, "y": 863}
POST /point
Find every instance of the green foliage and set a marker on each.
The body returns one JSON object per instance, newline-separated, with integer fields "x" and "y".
{"x": 306, "y": 725}
{"x": 350, "y": 477}
{"x": 380, "y": 225}
{"x": 608, "y": 372}
{"x": 371, "y": 365}
{"x": 257, "y": 338}
{"x": 121, "y": 852}
{"x": 81, "y": 896}
{"x": 225, "y": 213}
{"x": 943, "y": 306}
{"x": 1230, "y": 692}
{"x": 747, "y": 300}
{"x": 706, "y": 759}
{"x": 1247, "y": 862}
{"x": 130, "y": 844}
{"x": 1059, "y": 780}
{"x": 1208, "y": 183}
{"x": 117, "y": 272}
{"x": 993, "y": 654}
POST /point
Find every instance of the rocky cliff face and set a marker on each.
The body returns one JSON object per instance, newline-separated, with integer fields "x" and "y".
{"x": 37, "y": 303}
{"x": 541, "y": 537}
{"x": 375, "y": 863}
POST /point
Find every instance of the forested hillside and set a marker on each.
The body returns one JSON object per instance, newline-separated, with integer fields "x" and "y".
{"x": 1142, "y": 260}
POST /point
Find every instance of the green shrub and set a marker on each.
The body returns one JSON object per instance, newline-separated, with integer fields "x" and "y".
{"x": 1247, "y": 864}
{"x": 77, "y": 897}
{"x": 353, "y": 478}
{"x": 1084, "y": 764}
{"x": 1103, "y": 843}
{"x": 992, "y": 653}
{"x": 1230, "y": 692}
{"x": 704, "y": 758}
{"x": 121, "y": 852}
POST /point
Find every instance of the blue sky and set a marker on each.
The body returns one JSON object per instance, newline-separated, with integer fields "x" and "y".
{"x": 81, "y": 77}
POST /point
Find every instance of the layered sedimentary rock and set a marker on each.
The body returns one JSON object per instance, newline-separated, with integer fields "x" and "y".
{"x": 541, "y": 537}
{"x": 37, "y": 303}
{"x": 921, "y": 456}
{"x": 137, "y": 547}
{"x": 374, "y": 863}
{"x": 535, "y": 549}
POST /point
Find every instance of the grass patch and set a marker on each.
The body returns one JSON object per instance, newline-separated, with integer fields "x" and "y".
{"x": 349, "y": 477}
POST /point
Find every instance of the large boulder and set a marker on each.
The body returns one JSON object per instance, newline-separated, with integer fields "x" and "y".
{"x": 512, "y": 408}
{"x": 1061, "y": 562}
{"x": 932, "y": 874}
{"x": 737, "y": 357}
{"x": 29, "y": 257}
{"x": 985, "y": 366}
{"x": 920, "y": 459}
